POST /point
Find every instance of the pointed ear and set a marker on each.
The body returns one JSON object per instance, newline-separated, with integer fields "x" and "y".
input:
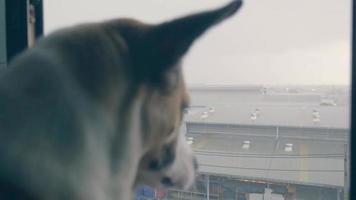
{"x": 166, "y": 43}
{"x": 176, "y": 37}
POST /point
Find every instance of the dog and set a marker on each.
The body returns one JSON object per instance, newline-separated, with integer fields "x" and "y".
{"x": 93, "y": 111}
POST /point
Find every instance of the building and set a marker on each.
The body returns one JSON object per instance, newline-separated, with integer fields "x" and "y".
{"x": 268, "y": 142}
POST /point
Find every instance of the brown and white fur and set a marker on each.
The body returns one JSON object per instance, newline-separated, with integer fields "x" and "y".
{"x": 92, "y": 111}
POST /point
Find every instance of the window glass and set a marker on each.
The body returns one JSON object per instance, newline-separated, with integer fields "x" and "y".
{"x": 270, "y": 90}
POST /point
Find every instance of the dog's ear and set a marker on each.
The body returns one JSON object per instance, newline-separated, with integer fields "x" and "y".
{"x": 166, "y": 43}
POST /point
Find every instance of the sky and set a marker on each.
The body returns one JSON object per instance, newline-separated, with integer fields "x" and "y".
{"x": 269, "y": 42}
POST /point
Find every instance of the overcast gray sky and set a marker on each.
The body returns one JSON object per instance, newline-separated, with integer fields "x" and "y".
{"x": 267, "y": 42}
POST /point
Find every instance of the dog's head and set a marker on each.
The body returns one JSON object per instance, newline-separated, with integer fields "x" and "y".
{"x": 155, "y": 52}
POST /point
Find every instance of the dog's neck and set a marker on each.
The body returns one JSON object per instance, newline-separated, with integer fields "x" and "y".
{"x": 130, "y": 146}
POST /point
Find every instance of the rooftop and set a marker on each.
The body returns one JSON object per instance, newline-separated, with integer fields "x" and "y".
{"x": 295, "y": 136}
{"x": 273, "y": 106}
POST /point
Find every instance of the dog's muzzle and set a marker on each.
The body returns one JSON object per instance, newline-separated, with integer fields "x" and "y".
{"x": 168, "y": 182}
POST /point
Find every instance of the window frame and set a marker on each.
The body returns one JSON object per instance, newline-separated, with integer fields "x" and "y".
{"x": 16, "y": 40}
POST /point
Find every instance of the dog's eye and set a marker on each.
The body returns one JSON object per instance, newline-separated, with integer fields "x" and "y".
{"x": 166, "y": 159}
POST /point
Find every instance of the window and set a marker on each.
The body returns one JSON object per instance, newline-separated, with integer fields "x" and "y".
{"x": 270, "y": 94}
